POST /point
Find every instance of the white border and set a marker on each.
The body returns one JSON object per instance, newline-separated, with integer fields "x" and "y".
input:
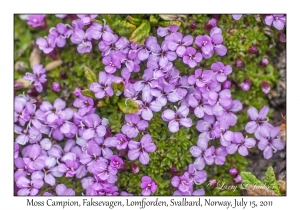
{"x": 7, "y": 201}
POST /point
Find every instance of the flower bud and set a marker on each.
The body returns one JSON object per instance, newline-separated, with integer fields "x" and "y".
{"x": 212, "y": 183}
{"x": 281, "y": 37}
{"x": 193, "y": 26}
{"x": 77, "y": 92}
{"x": 246, "y": 84}
{"x": 226, "y": 84}
{"x": 55, "y": 87}
{"x": 239, "y": 63}
{"x": 21, "y": 83}
{"x": 237, "y": 179}
{"x": 233, "y": 171}
{"x": 32, "y": 92}
{"x": 216, "y": 16}
{"x": 210, "y": 24}
{"x": 253, "y": 49}
{"x": 264, "y": 62}
{"x": 63, "y": 75}
{"x": 265, "y": 87}
{"x": 134, "y": 168}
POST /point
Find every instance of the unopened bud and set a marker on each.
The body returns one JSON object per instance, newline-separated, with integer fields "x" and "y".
{"x": 239, "y": 63}
{"x": 212, "y": 183}
{"x": 226, "y": 84}
{"x": 233, "y": 171}
{"x": 264, "y": 62}
{"x": 253, "y": 49}
{"x": 193, "y": 26}
{"x": 265, "y": 87}
{"x": 21, "y": 83}
{"x": 134, "y": 168}
{"x": 237, "y": 179}
{"x": 210, "y": 24}
{"x": 55, "y": 87}
{"x": 77, "y": 92}
{"x": 281, "y": 37}
{"x": 246, "y": 84}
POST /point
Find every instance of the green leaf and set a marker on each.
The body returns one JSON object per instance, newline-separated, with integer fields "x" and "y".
{"x": 118, "y": 88}
{"x": 168, "y": 23}
{"x": 123, "y": 28}
{"x": 134, "y": 21}
{"x": 130, "y": 107}
{"x": 153, "y": 19}
{"x": 249, "y": 179}
{"x": 141, "y": 33}
{"x": 270, "y": 180}
{"x": 90, "y": 75}
{"x": 88, "y": 93}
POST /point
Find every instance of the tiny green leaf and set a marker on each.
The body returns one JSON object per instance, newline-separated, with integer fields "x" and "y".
{"x": 129, "y": 106}
{"x": 153, "y": 19}
{"x": 123, "y": 27}
{"x": 168, "y": 23}
{"x": 134, "y": 21}
{"x": 270, "y": 180}
{"x": 88, "y": 93}
{"x": 141, "y": 33}
{"x": 90, "y": 75}
{"x": 249, "y": 179}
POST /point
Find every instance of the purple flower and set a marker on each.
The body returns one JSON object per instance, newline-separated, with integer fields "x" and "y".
{"x": 270, "y": 141}
{"x": 178, "y": 118}
{"x": 219, "y": 154}
{"x": 86, "y": 19}
{"x": 84, "y": 104}
{"x": 47, "y": 44}
{"x": 246, "y": 84}
{"x": 133, "y": 125}
{"x": 35, "y": 20}
{"x": 201, "y": 78}
{"x": 253, "y": 49}
{"x": 28, "y": 187}
{"x": 38, "y": 77}
{"x": 201, "y": 153}
{"x": 111, "y": 63}
{"x": 179, "y": 43}
{"x": 148, "y": 185}
{"x": 16, "y": 150}
{"x": 198, "y": 177}
{"x": 120, "y": 141}
{"x": 61, "y": 34}
{"x": 278, "y": 21}
{"x": 257, "y": 125}
{"x": 205, "y": 44}
{"x": 264, "y": 62}
{"x": 116, "y": 162}
{"x": 82, "y": 38}
{"x": 92, "y": 122}
{"x": 221, "y": 71}
{"x": 200, "y": 105}
{"x": 191, "y": 57}
{"x": 61, "y": 189}
{"x": 69, "y": 167}
{"x": 240, "y": 144}
{"x": 183, "y": 182}
{"x": 147, "y": 106}
{"x": 104, "y": 172}
{"x": 217, "y": 40}
{"x": 167, "y": 32}
{"x": 207, "y": 126}
{"x": 140, "y": 149}
{"x": 103, "y": 87}
{"x": 237, "y": 17}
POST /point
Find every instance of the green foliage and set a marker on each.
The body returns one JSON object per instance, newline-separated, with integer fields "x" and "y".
{"x": 141, "y": 33}
{"x": 123, "y": 28}
{"x": 90, "y": 75}
{"x": 249, "y": 179}
{"x": 128, "y": 106}
{"x": 270, "y": 180}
